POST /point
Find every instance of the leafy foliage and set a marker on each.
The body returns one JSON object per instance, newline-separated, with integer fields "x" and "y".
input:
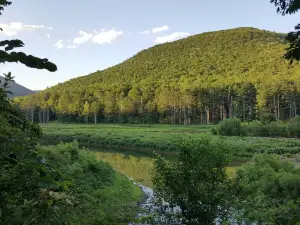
{"x": 27, "y": 185}
{"x": 97, "y": 195}
{"x": 195, "y": 182}
{"x": 290, "y": 7}
{"x": 234, "y": 127}
{"x": 268, "y": 191}
{"x": 230, "y": 127}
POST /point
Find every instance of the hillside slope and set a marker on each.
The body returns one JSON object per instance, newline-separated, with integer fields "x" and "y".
{"x": 213, "y": 75}
{"x": 17, "y": 89}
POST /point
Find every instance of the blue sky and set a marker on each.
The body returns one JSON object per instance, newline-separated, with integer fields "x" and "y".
{"x": 84, "y": 36}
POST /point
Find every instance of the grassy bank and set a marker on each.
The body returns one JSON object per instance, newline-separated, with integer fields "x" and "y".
{"x": 97, "y": 194}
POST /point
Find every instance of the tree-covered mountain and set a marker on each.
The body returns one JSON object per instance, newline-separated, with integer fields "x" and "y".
{"x": 200, "y": 79}
{"x": 17, "y": 89}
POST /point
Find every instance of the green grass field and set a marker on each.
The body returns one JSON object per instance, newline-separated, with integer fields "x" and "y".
{"x": 144, "y": 139}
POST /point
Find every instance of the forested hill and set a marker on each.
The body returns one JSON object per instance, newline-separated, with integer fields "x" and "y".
{"x": 206, "y": 54}
{"x": 203, "y": 78}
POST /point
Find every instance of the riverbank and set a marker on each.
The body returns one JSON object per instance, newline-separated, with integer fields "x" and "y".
{"x": 98, "y": 194}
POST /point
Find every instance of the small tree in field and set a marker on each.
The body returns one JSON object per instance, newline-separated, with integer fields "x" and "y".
{"x": 196, "y": 181}
{"x": 94, "y": 110}
{"x": 86, "y": 111}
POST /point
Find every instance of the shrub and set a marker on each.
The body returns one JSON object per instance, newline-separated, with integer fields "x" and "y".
{"x": 276, "y": 130}
{"x": 268, "y": 191}
{"x": 293, "y": 127}
{"x": 196, "y": 182}
{"x": 231, "y": 127}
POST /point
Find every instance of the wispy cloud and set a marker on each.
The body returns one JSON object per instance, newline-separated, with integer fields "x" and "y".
{"x": 106, "y": 37}
{"x": 160, "y": 29}
{"x": 72, "y": 46}
{"x": 59, "y": 44}
{"x": 84, "y": 37}
{"x": 12, "y": 29}
{"x": 102, "y": 36}
{"x": 171, "y": 37}
{"x": 48, "y": 36}
{"x": 145, "y": 32}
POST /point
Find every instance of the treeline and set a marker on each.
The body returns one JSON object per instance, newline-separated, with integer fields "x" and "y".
{"x": 198, "y": 80}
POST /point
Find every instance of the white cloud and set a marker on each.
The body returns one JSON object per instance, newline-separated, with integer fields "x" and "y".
{"x": 171, "y": 37}
{"x": 48, "y": 35}
{"x": 12, "y": 29}
{"x": 130, "y": 34}
{"x": 144, "y": 32}
{"x": 72, "y": 46}
{"x": 59, "y": 44}
{"x": 160, "y": 29}
{"x": 84, "y": 37}
{"x": 104, "y": 37}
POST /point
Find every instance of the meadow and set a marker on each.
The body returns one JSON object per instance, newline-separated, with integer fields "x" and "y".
{"x": 142, "y": 140}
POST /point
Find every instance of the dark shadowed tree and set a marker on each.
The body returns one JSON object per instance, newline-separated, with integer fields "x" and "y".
{"x": 25, "y": 196}
{"x": 290, "y": 7}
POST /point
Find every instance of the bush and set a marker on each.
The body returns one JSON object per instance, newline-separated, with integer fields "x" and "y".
{"x": 196, "y": 182}
{"x": 276, "y": 130}
{"x": 231, "y": 127}
{"x": 293, "y": 127}
{"x": 268, "y": 191}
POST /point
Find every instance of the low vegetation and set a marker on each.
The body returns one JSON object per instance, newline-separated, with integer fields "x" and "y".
{"x": 234, "y": 127}
{"x": 97, "y": 194}
{"x": 264, "y": 191}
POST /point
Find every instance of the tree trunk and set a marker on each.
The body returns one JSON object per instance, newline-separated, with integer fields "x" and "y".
{"x": 278, "y": 108}
{"x": 213, "y": 113}
{"x": 95, "y": 118}
{"x": 40, "y": 116}
{"x": 207, "y": 115}
{"x": 295, "y": 106}
{"x": 32, "y": 114}
{"x": 231, "y": 107}
{"x": 275, "y": 109}
{"x": 201, "y": 118}
{"x": 221, "y": 110}
{"x": 244, "y": 111}
{"x": 290, "y": 103}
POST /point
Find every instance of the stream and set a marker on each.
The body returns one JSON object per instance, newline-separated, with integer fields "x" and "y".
{"x": 148, "y": 207}
{"x": 148, "y": 203}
